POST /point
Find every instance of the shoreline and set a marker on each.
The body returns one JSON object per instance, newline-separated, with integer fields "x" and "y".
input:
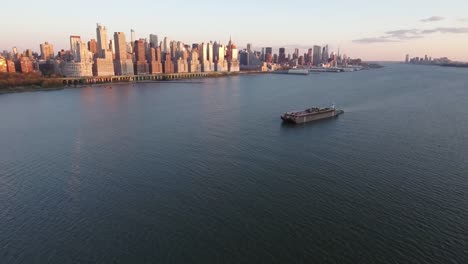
{"x": 35, "y": 88}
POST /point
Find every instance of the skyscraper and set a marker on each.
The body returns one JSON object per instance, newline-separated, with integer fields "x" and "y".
{"x": 74, "y": 41}
{"x": 166, "y": 45}
{"x": 103, "y": 63}
{"x": 132, "y": 36}
{"x": 141, "y": 65}
{"x": 249, "y": 47}
{"x": 102, "y": 40}
{"x": 82, "y": 64}
{"x": 122, "y": 65}
{"x": 282, "y": 56}
{"x": 93, "y": 46}
{"x": 47, "y": 51}
{"x": 154, "y": 60}
{"x": 325, "y": 55}
{"x": 317, "y": 56}
{"x": 296, "y": 54}
{"x": 154, "y": 43}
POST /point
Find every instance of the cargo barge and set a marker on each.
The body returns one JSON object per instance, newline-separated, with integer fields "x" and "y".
{"x": 310, "y": 115}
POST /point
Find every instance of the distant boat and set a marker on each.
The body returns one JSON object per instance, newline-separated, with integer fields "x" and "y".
{"x": 310, "y": 114}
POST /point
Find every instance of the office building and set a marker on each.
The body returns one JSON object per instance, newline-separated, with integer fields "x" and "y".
{"x": 47, "y": 51}
{"x": 122, "y": 64}
{"x": 141, "y": 64}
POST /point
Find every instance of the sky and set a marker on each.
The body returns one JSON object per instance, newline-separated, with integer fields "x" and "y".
{"x": 368, "y": 29}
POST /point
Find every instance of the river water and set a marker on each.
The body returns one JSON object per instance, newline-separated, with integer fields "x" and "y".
{"x": 205, "y": 172}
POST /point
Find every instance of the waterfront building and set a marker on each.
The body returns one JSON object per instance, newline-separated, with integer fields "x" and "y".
{"x": 104, "y": 61}
{"x": 180, "y": 66}
{"x": 282, "y": 56}
{"x": 102, "y": 40}
{"x": 193, "y": 62}
{"x": 309, "y": 57}
{"x": 173, "y": 49}
{"x": 122, "y": 64}
{"x": 154, "y": 59}
{"x": 317, "y": 55}
{"x": 50, "y": 67}
{"x": 3, "y": 64}
{"x": 141, "y": 64}
{"x": 244, "y": 57}
{"x": 207, "y": 66}
{"x": 75, "y": 42}
{"x": 296, "y": 54}
{"x": 47, "y": 51}
{"x": 24, "y": 65}
{"x": 10, "y": 66}
{"x": 81, "y": 64}
{"x": 220, "y": 64}
{"x": 325, "y": 55}
{"x": 168, "y": 65}
{"x": 232, "y": 57}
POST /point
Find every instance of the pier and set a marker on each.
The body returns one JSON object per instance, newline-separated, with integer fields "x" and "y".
{"x": 137, "y": 78}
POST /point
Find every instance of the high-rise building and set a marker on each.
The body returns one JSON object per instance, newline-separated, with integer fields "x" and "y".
{"x": 102, "y": 40}
{"x": 325, "y": 55}
{"x": 103, "y": 63}
{"x": 122, "y": 65}
{"x": 308, "y": 58}
{"x": 173, "y": 49}
{"x": 132, "y": 36}
{"x": 168, "y": 65}
{"x": 282, "y": 56}
{"x": 154, "y": 43}
{"x": 47, "y": 51}
{"x": 206, "y": 65}
{"x": 154, "y": 60}
{"x": 249, "y": 47}
{"x": 93, "y": 47}
{"x": 166, "y": 45}
{"x": 317, "y": 56}
{"x": 407, "y": 59}
{"x": 82, "y": 64}
{"x": 24, "y": 65}
{"x": 296, "y": 54}
{"x": 3, "y": 64}
{"x": 209, "y": 52}
{"x": 193, "y": 62}
{"x": 141, "y": 65}
{"x": 244, "y": 58}
{"x": 74, "y": 45}
{"x": 233, "y": 57}
{"x": 220, "y": 64}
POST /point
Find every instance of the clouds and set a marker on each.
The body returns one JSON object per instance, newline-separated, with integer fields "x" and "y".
{"x": 432, "y": 19}
{"x": 382, "y": 39}
{"x": 410, "y": 34}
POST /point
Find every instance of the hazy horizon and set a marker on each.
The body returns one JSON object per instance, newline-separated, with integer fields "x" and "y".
{"x": 360, "y": 29}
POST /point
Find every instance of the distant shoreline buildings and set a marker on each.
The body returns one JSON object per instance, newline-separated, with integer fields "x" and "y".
{"x": 116, "y": 57}
{"x": 426, "y": 60}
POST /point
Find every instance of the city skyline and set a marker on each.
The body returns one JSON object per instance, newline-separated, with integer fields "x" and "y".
{"x": 372, "y": 31}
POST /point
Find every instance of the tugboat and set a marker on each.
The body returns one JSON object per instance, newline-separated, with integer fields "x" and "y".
{"x": 310, "y": 115}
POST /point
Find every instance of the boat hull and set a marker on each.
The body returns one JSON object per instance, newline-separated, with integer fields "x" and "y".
{"x": 310, "y": 118}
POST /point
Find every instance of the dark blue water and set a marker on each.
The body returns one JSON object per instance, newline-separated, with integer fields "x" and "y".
{"x": 206, "y": 173}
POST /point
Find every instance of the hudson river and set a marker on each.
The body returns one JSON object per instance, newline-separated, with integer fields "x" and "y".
{"x": 205, "y": 172}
